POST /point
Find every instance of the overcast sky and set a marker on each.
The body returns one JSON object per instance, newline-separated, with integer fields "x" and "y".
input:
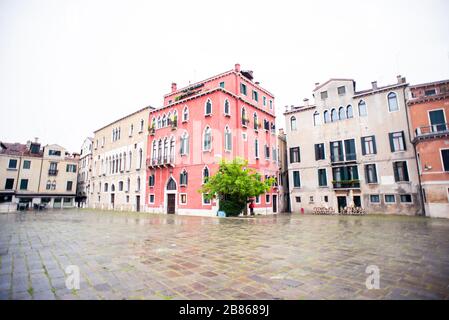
{"x": 70, "y": 67}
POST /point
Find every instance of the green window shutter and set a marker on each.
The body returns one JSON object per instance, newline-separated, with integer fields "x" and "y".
{"x": 363, "y": 146}
{"x": 316, "y": 152}
{"x": 403, "y": 140}
{"x": 405, "y": 171}
{"x": 390, "y": 135}
{"x": 396, "y": 173}
{"x": 374, "y": 145}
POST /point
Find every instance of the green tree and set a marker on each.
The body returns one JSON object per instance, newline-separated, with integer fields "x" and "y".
{"x": 234, "y": 183}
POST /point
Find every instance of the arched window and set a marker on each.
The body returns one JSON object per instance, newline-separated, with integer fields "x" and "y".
{"x": 245, "y": 119}
{"x": 172, "y": 150}
{"x": 138, "y": 184}
{"x": 316, "y": 118}
{"x": 112, "y": 187}
{"x": 128, "y": 184}
{"x": 349, "y": 112}
{"x": 164, "y": 120}
{"x": 175, "y": 118}
{"x": 228, "y": 139}
{"x": 185, "y": 114}
{"x": 169, "y": 119}
{"x": 326, "y": 116}
{"x": 183, "y": 177}
{"x": 208, "y": 107}
{"x": 105, "y": 187}
{"x": 184, "y": 143}
{"x": 120, "y": 163}
{"x": 48, "y": 186}
{"x": 159, "y": 123}
{"x": 334, "y": 115}
{"x": 140, "y": 158}
{"x": 392, "y": 102}
{"x": 130, "y": 160}
{"x": 227, "y": 108}
{"x": 362, "y": 109}
{"x": 293, "y": 123}
{"x": 207, "y": 139}
{"x": 120, "y": 186}
{"x": 141, "y": 125}
{"x": 171, "y": 184}
{"x": 153, "y": 123}
{"x": 205, "y": 174}
{"x": 131, "y": 128}
{"x": 124, "y": 161}
{"x": 342, "y": 113}
{"x": 154, "y": 154}
{"x": 159, "y": 151}
{"x": 256, "y": 121}
{"x": 165, "y": 150}
{"x": 53, "y": 185}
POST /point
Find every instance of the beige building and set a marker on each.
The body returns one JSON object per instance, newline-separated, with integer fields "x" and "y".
{"x": 353, "y": 148}
{"x": 119, "y": 164}
{"x": 284, "y": 190}
{"x": 32, "y": 176}
{"x": 84, "y": 173}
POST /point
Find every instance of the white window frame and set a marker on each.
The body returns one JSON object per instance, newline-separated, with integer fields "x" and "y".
{"x": 269, "y": 200}
{"x": 227, "y": 114}
{"x": 406, "y": 203}
{"x": 186, "y": 108}
{"x": 202, "y": 201}
{"x": 388, "y": 102}
{"x": 203, "y": 140}
{"x": 205, "y": 108}
{"x": 389, "y": 194}
{"x": 366, "y": 108}
{"x": 374, "y": 194}
{"x": 180, "y": 197}
{"x": 377, "y": 175}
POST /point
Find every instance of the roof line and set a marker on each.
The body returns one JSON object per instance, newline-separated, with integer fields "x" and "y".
{"x": 127, "y": 116}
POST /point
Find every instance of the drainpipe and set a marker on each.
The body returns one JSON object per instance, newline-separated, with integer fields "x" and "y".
{"x": 416, "y": 157}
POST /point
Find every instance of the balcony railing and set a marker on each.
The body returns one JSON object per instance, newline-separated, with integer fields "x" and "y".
{"x": 346, "y": 184}
{"x": 432, "y": 130}
{"x": 52, "y": 172}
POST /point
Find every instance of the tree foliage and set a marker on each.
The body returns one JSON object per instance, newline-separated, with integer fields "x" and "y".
{"x": 234, "y": 183}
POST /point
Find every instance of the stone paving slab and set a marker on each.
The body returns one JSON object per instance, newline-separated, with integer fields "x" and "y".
{"x": 147, "y": 256}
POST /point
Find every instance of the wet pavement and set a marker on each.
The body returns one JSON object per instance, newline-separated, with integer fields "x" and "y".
{"x": 147, "y": 256}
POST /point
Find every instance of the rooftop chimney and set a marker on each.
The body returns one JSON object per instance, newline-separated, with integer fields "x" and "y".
{"x": 257, "y": 82}
{"x": 237, "y": 67}
{"x": 317, "y": 84}
{"x": 374, "y": 84}
{"x": 401, "y": 79}
{"x": 306, "y": 102}
{"x": 286, "y": 108}
{"x": 36, "y": 139}
{"x": 173, "y": 87}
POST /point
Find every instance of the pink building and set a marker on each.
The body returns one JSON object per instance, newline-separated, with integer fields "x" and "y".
{"x": 225, "y": 116}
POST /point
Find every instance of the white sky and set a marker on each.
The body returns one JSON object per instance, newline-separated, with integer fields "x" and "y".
{"x": 70, "y": 67}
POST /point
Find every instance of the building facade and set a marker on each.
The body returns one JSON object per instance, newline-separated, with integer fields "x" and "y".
{"x": 223, "y": 117}
{"x": 284, "y": 186}
{"x": 32, "y": 176}
{"x": 84, "y": 173}
{"x": 118, "y": 164}
{"x": 353, "y": 148}
{"x": 428, "y": 106}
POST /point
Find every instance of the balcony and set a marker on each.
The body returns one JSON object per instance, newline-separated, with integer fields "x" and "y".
{"x": 52, "y": 172}
{"x": 431, "y": 132}
{"x": 346, "y": 184}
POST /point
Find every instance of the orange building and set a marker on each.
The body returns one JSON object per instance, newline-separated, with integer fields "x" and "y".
{"x": 429, "y": 111}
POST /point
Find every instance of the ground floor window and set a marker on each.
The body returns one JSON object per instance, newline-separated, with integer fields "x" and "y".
{"x": 5, "y": 198}
{"x": 326, "y": 199}
{"x": 267, "y": 198}
{"x": 45, "y": 200}
{"x": 127, "y": 199}
{"x": 298, "y": 199}
{"x": 374, "y": 198}
{"x": 205, "y": 200}
{"x": 183, "y": 198}
{"x": 406, "y": 198}
{"x": 150, "y": 198}
{"x": 390, "y": 198}
{"x": 257, "y": 199}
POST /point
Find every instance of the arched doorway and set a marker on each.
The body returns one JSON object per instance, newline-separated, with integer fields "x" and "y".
{"x": 171, "y": 196}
